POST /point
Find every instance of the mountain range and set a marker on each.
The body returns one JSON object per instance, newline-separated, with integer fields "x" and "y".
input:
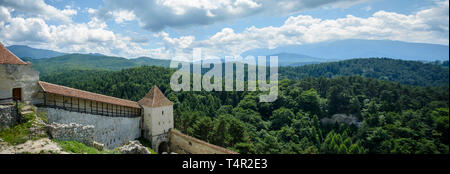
{"x": 23, "y": 51}
{"x": 292, "y": 55}
{"x": 355, "y": 48}
{"x": 90, "y": 62}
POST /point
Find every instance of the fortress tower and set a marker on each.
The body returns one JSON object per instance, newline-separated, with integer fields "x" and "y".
{"x": 157, "y": 118}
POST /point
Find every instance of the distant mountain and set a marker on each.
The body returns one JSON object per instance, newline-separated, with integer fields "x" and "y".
{"x": 90, "y": 62}
{"x": 96, "y": 54}
{"x": 151, "y": 61}
{"x": 290, "y": 59}
{"x": 284, "y": 59}
{"x": 23, "y": 51}
{"x": 357, "y": 48}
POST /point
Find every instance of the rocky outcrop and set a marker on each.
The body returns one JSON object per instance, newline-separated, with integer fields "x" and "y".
{"x": 98, "y": 146}
{"x": 8, "y": 116}
{"x": 72, "y": 132}
{"x": 341, "y": 118}
{"x": 134, "y": 147}
{"x": 44, "y": 145}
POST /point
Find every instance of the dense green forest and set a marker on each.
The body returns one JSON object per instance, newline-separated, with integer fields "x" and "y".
{"x": 393, "y": 117}
{"x": 405, "y": 72}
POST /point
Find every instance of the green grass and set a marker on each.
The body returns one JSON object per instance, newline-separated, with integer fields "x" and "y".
{"x": 151, "y": 150}
{"x": 16, "y": 135}
{"x": 28, "y": 118}
{"x": 42, "y": 116}
{"x": 19, "y": 133}
{"x": 20, "y": 105}
{"x": 76, "y": 147}
{"x": 80, "y": 148}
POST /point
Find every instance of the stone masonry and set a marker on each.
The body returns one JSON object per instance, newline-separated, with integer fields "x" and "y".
{"x": 72, "y": 132}
{"x": 8, "y": 116}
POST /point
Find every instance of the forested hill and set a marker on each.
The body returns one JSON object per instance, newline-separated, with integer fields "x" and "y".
{"x": 394, "y": 118}
{"x": 405, "y": 72}
{"x": 91, "y": 62}
{"x": 132, "y": 83}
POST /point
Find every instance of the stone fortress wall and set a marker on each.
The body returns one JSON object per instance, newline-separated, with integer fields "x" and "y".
{"x": 110, "y": 131}
{"x": 112, "y": 123}
{"x": 72, "y": 131}
{"x": 184, "y": 144}
{"x": 8, "y": 116}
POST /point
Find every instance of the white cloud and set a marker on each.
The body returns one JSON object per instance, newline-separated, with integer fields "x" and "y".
{"x": 428, "y": 26}
{"x": 368, "y": 8}
{"x": 123, "y": 15}
{"x": 91, "y": 11}
{"x": 91, "y": 37}
{"x": 155, "y": 15}
{"x": 425, "y": 26}
{"x": 39, "y": 8}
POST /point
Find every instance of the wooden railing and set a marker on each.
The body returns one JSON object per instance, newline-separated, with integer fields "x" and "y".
{"x": 74, "y": 104}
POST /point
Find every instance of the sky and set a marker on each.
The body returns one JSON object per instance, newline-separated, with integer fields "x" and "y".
{"x": 173, "y": 28}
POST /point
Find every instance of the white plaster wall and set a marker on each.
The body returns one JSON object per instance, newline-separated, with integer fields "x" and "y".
{"x": 162, "y": 120}
{"x": 19, "y": 76}
{"x": 147, "y": 122}
{"x": 110, "y": 131}
{"x": 158, "y": 120}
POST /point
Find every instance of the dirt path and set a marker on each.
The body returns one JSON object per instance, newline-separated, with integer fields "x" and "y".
{"x": 43, "y": 145}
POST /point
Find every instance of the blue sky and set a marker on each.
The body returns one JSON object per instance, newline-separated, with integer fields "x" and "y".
{"x": 165, "y": 29}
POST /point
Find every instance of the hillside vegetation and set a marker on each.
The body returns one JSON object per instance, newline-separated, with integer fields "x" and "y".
{"x": 395, "y": 118}
{"x": 405, "y": 72}
{"x": 91, "y": 62}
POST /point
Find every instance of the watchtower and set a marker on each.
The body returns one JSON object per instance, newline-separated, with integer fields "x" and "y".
{"x": 157, "y": 118}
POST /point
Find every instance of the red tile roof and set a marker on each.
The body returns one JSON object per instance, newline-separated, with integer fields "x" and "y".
{"x": 71, "y": 92}
{"x": 6, "y": 57}
{"x": 155, "y": 98}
